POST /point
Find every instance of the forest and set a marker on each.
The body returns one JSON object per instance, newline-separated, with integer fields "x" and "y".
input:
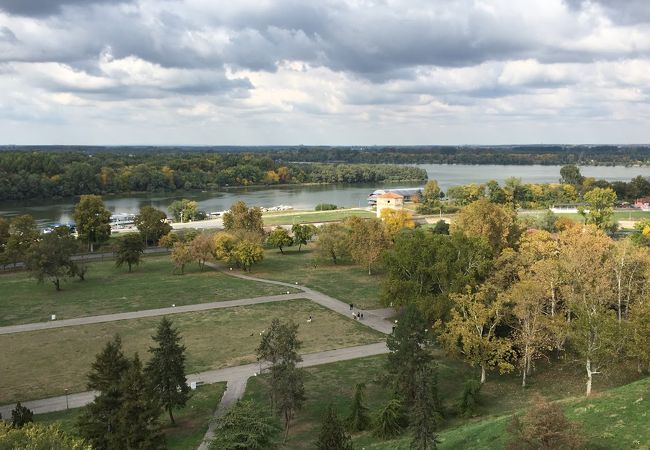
{"x": 48, "y": 174}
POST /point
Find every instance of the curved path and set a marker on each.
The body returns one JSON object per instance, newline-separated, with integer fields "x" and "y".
{"x": 235, "y": 377}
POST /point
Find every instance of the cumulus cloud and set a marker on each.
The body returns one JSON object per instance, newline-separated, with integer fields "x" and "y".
{"x": 327, "y": 71}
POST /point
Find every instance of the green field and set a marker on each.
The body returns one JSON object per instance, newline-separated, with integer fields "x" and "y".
{"x": 345, "y": 282}
{"x": 191, "y": 421}
{"x": 285, "y": 218}
{"x": 334, "y": 383}
{"x": 108, "y": 289}
{"x": 45, "y": 363}
{"x": 618, "y": 215}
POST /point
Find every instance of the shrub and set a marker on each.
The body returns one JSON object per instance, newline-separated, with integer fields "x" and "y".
{"x": 471, "y": 397}
{"x": 325, "y": 207}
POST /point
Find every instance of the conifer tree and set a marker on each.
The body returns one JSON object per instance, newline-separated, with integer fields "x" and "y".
{"x": 425, "y": 415}
{"x": 139, "y": 411}
{"x": 406, "y": 352}
{"x": 166, "y": 369}
{"x": 390, "y": 420}
{"x": 333, "y": 435}
{"x": 358, "y": 420}
{"x": 99, "y": 422}
{"x": 246, "y": 426}
{"x": 20, "y": 416}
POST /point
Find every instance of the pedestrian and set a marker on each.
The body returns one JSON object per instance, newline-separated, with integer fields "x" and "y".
{"x": 361, "y": 316}
{"x": 309, "y": 320}
{"x": 354, "y": 316}
{"x": 351, "y": 306}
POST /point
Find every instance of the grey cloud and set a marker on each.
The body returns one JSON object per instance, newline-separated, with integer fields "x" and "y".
{"x": 619, "y": 11}
{"x": 44, "y": 8}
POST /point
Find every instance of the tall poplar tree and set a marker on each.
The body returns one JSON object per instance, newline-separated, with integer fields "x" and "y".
{"x": 166, "y": 369}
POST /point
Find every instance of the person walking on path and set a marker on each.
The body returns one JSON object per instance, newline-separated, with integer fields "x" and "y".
{"x": 351, "y": 306}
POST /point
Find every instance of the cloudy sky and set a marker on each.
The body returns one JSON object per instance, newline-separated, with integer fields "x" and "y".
{"x": 211, "y": 72}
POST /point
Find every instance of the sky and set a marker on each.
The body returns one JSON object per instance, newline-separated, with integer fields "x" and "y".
{"x": 324, "y": 72}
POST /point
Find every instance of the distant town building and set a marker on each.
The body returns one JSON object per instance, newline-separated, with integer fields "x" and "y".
{"x": 407, "y": 193}
{"x": 643, "y": 203}
{"x": 390, "y": 200}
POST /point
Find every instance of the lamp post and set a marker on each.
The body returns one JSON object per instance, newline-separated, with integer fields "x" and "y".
{"x": 67, "y": 406}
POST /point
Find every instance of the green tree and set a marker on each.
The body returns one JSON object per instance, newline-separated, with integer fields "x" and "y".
{"x": 21, "y": 416}
{"x": 242, "y": 218}
{"x": 430, "y": 198}
{"x": 599, "y": 207}
{"x": 302, "y": 234}
{"x": 332, "y": 242}
{"x": 390, "y": 420}
{"x": 51, "y": 257}
{"x": 425, "y": 269}
{"x": 4, "y": 237}
{"x": 544, "y": 427}
{"x": 246, "y": 426}
{"x": 181, "y": 256}
{"x": 92, "y": 220}
{"x": 36, "y": 436}
{"x": 279, "y": 346}
{"x": 23, "y": 234}
{"x": 407, "y": 354}
{"x": 494, "y": 223}
{"x": 425, "y": 413}
{"x": 570, "y": 174}
{"x": 151, "y": 224}
{"x": 358, "y": 419}
{"x": 99, "y": 423}
{"x": 332, "y": 435}
{"x": 128, "y": 250}
{"x": 184, "y": 210}
{"x": 472, "y": 331}
{"x": 139, "y": 412}
{"x": 367, "y": 241}
{"x": 247, "y": 253}
{"x": 280, "y": 238}
{"x": 166, "y": 368}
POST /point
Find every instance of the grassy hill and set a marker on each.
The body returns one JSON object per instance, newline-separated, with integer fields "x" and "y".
{"x": 615, "y": 419}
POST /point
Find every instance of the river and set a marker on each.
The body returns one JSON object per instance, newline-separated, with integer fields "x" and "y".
{"x": 306, "y": 197}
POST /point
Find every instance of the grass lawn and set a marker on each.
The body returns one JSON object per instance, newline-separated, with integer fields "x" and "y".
{"x": 618, "y": 215}
{"x": 285, "y": 218}
{"x": 191, "y": 421}
{"x": 615, "y": 419}
{"x": 108, "y": 289}
{"x": 345, "y": 282}
{"x": 334, "y": 383}
{"x": 44, "y": 363}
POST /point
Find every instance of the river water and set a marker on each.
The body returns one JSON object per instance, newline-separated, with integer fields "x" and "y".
{"x": 306, "y": 197}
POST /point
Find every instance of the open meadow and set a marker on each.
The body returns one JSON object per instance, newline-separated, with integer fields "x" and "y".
{"x": 290, "y": 218}
{"x": 346, "y": 282}
{"x": 108, "y": 289}
{"x": 59, "y": 359}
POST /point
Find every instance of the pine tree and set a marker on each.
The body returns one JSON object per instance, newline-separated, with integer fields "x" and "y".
{"x": 390, "y": 420}
{"x": 425, "y": 415}
{"x": 166, "y": 369}
{"x": 21, "y": 415}
{"x": 333, "y": 435}
{"x": 358, "y": 420}
{"x": 99, "y": 422}
{"x": 407, "y": 354}
{"x": 246, "y": 426}
{"x": 139, "y": 411}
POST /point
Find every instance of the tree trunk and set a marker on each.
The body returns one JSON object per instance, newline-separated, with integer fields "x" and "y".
{"x": 91, "y": 246}
{"x": 482, "y": 374}
{"x": 171, "y": 416}
{"x": 299, "y": 247}
{"x": 57, "y": 284}
{"x": 281, "y": 250}
{"x": 523, "y": 378}
{"x": 589, "y": 377}
{"x": 129, "y": 267}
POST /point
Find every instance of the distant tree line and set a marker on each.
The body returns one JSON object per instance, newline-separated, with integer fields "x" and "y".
{"x": 40, "y": 174}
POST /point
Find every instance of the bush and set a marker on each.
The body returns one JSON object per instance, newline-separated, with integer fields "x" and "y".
{"x": 471, "y": 397}
{"x": 326, "y": 207}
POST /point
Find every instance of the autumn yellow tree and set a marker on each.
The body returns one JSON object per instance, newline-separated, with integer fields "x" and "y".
{"x": 202, "y": 249}
{"x": 395, "y": 220}
{"x": 471, "y": 331}
{"x": 367, "y": 240}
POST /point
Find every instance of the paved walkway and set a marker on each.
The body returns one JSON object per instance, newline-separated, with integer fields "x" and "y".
{"x": 235, "y": 377}
{"x": 147, "y": 313}
{"x": 236, "y": 374}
